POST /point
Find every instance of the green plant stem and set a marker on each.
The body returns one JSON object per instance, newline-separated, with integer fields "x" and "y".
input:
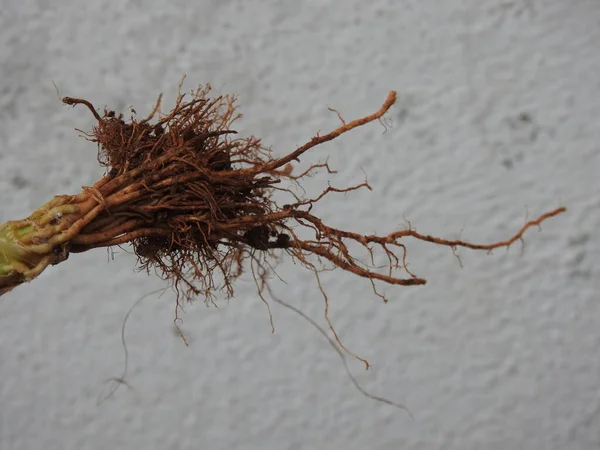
{"x": 28, "y": 246}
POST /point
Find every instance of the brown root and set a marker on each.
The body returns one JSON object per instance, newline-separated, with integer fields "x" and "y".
{"x": 195, "y": 201}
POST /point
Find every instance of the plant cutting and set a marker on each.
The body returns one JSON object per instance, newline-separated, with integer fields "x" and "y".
{"x": 196, "y": 203}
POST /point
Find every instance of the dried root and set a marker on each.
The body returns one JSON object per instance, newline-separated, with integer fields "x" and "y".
{"x": 195, "y": 201}
{"x": 196, "y": 204}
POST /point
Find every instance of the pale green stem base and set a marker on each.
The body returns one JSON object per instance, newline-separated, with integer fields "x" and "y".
{"x": 28, "y": 246}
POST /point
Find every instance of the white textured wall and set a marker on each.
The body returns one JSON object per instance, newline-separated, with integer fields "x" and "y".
{"x": 502, "y": 354}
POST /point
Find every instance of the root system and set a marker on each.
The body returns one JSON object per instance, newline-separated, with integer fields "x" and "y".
{"x": 196, "y": 201}
{"x": 197, "y": 204}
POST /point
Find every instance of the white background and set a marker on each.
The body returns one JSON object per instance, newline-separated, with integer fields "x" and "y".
{"x": 500, "y": 354}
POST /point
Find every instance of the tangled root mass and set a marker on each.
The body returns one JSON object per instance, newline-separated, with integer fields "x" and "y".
{"x": 196, "y": 201}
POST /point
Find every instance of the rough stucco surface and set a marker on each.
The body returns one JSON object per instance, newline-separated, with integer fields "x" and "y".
{"x": 497, "y": 122}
